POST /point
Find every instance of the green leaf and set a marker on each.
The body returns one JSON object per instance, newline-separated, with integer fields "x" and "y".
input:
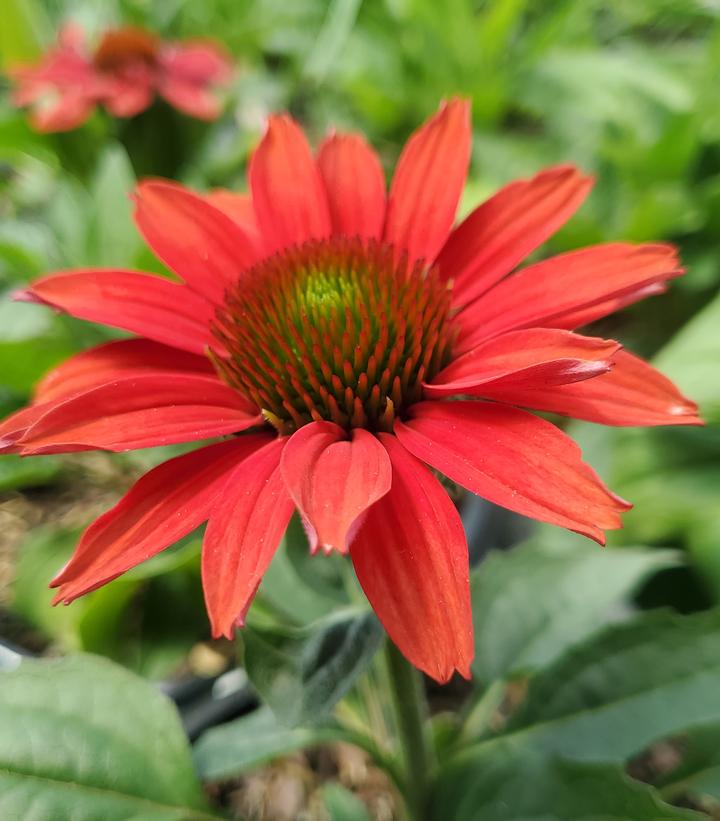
{"x": 511, "y": 784}
{"x": 343, "y": 805}
{"x": 83, "y": 738}
{"x": 691, "y": 358}
{"x": 253, "y": 740}
{"x": 147, "y": 619}
{"x": 632, "y": 684}
{"x": 21, "y": 320}
{"x": 21, "y": 472}
{"x": 302, "y": 673}
{"x": 698, "y": 773}
{"x": 533, "y": 602}
{"x": 115, "y": 238}
{"x": 331, "y": 38}
{"x": 23, "y": 363}
{"x": 301, "y": 588}
{"x": 23, "y": 29}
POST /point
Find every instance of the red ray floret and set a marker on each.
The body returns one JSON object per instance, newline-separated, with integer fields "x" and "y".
{"x": 341, "y": 338}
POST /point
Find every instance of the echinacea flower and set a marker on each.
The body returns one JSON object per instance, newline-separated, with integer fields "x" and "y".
{"x": 123, "y": 73}
{"x": 349, "y": 343}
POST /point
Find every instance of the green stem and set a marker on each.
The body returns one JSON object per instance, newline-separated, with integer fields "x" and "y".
{"x": 411, "y": 715}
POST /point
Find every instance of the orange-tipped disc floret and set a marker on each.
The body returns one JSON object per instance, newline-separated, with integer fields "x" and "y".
{"x": 335, "y": 329}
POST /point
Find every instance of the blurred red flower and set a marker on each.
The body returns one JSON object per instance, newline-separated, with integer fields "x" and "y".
{"x": 346, "y": 340}
{"x": 126, "y": 70}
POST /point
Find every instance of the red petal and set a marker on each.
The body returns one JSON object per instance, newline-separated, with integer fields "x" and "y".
{"x": 242, "y": 535}
{"x": 201, "y": 244}
{"x": 240, "y": 209}
{"x": 198, "y": 61}
{"x": 411, "y": 558}
{"x": 533, "y": 357}
{"x": 543, "y": 293}
{"x": 334, "y": 480}
{"x": 506, "y": 228}
{"x": 140, "y": 303}
{"x": 428, "y": 181}
{"x": 126, "y": 97}
{"x": 632, "y": 393}
{"x": 576, "y": 319}
{"x": 192, "y": 99}
{"x": 68, "y": 111}
{"x": 139, "y": 412}
{"x": 163, "y": 506}
{"x": 355, "y": 185}
{"x": 14, "y": 427}
{"x": 288, "y": 194}
{"x": 116, "y": 360}
{"x": 513, "y": 459}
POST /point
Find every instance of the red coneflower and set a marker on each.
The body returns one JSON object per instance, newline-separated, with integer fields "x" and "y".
{"x": 330, "y": 329}
{"x": 128, "y": 67}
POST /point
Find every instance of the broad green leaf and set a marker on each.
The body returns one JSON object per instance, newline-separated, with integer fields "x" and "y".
{"x": 533, "y": 602}
{"x": 85, "y": 739}
{"x": 698, "y": 773}
{"x": 632, "y": 684}
{"x": 253, "y": 740}
{"x": 302, "y": 673}
{"x": 691, "y": 359}
{"x": 512, "y": 784}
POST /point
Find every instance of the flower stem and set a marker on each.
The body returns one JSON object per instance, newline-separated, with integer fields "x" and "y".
{"x": 411, "y": 714}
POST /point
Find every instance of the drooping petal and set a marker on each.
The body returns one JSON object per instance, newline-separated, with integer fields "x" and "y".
{"x": 116, "y": 360}
{"x": 632, "y": 393}
{"x": 502, "y": 231}
{"x": 533, "y": 357}
{"x": 576, "y": 319}
{"x": 201, "y": 244}
{"x": 428, "y": 180}
{"x": 245, "y": 527}
{"x": 410, "y": 556}
{"x": 545, "y": 292}
{"x": 288, "y": 194}
{"x": 515, "y": 460}
{"x": 355, "y": 185}
{"x": 239, "y": 208}
{"x": 140, "y": 412}
{"x": 143, "y": 304}
{"x": 193, "y": 99}
{"x": 161, "y": 507}
{"x": 334, "y": 479}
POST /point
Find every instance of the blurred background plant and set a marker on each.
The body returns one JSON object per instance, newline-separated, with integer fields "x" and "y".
{"x": 629, "y": 92}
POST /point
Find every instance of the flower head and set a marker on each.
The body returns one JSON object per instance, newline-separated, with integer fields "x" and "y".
{"x": 348, "y": 342}
{"x": 123, "y": 73}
